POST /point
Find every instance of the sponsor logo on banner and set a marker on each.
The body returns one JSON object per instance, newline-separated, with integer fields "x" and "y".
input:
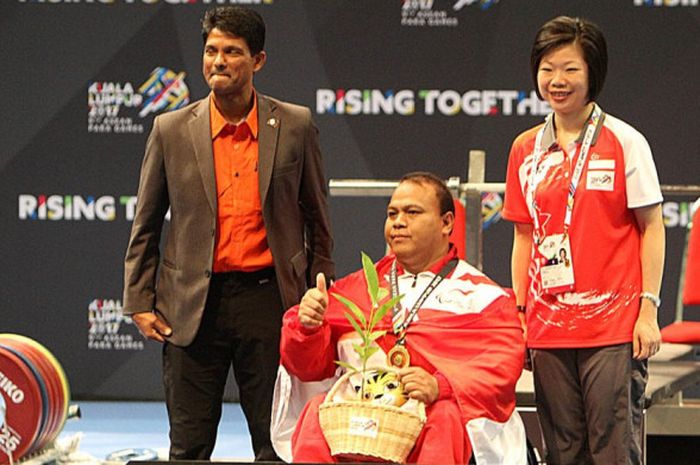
{"x": 110, "y": 329}
{"x": 666, "y": 2}
{"x": 75, "y": 207}
{"x": 59, "y": 207}
{"x": 155, "y": 2}
{"x": 491, "y": 207}
{"x": 677, "y": 214}
{"x": 119, "y": 107}
{"x": 407, "y": 102}
{"x": 427, "y": 13}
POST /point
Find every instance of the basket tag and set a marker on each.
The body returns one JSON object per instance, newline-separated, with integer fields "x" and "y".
{"x": 363, "y": 426}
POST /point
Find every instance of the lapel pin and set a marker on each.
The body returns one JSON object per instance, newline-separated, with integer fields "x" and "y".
{"x": 272, "y": 122}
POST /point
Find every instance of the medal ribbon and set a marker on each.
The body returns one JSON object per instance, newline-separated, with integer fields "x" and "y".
{"x": 595, "y": 120}
{"x": 401, "y": 326}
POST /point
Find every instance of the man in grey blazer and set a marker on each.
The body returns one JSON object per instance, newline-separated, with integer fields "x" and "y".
{"x": 242, "y": 176}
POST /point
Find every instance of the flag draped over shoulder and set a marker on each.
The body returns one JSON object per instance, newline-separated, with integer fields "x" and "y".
{"x": 467, "y": 330}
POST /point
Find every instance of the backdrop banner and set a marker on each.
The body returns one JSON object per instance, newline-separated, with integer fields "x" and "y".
{"x": 394, "y": 86}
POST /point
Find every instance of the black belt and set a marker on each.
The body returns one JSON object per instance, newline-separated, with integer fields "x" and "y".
{"x": 247, "y": 278}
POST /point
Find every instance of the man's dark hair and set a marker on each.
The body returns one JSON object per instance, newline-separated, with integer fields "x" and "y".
{"x": 239, "y": 21}
{"x": 564, "y": 30}
{"x": 444, "y": 195}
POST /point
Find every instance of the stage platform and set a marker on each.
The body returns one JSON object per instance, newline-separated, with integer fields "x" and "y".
{"x": 107, "y": 427}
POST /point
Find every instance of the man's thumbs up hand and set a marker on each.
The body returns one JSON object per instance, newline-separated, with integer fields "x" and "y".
{"x": 313, "y": 305}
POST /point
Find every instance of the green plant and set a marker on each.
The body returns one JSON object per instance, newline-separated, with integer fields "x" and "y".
{"x": 363, "y": 325}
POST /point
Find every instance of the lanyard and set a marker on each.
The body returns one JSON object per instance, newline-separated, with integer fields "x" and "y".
{"x": 401, "y": 326}
{"x": 591, "y": 127}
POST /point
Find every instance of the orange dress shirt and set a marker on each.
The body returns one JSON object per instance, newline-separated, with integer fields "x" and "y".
{"x": 241, "y": 239}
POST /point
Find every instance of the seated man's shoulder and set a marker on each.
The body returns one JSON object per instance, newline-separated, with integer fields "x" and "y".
{"x": 467, "y": 272}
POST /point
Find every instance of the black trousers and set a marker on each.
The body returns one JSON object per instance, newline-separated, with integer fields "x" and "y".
{"x": 589, "y": 403}
{"x": 240, "y": 328}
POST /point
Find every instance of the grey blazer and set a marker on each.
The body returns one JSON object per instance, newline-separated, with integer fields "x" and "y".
{"x": 178, "y": 173}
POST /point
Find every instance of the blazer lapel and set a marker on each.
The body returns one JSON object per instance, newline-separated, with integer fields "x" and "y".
{"x": 268, "y": 131}
{"x": 200, "y": 131}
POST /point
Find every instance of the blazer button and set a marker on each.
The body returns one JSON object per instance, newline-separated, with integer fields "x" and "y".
{"x": 207, "y": 273}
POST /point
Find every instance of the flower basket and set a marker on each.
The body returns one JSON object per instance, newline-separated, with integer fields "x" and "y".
{"x": 366, "y": 432}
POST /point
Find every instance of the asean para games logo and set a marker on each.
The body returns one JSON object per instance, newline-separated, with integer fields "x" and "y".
{"x": 164, "y": 90}
{"x": 110, "y": 329}
{"x": 424, "y": 13}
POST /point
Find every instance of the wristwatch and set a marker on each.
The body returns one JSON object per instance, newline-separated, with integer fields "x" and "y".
{"x": 651, "y": 297}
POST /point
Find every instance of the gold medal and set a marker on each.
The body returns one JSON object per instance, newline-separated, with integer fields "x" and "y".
{"x": 398, "y": 357}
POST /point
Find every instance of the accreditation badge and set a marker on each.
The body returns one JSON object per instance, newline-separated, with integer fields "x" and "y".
{"x": 557, "y": 271}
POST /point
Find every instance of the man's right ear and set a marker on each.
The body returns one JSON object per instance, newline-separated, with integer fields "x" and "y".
{"x": 260, "y": 59}
{"x": 448, "y": 222}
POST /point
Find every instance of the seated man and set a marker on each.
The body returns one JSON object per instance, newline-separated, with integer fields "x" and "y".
{"x": 463, "y": 337}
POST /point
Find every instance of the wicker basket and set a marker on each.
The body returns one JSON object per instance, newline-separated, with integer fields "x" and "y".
{"x": 364, "y": 432}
